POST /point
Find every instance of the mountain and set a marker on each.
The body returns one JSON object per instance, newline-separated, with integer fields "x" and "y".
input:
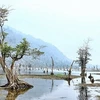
{"x": 60, "y": 60}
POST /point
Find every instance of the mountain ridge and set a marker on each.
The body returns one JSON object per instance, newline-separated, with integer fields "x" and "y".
{"x": 14, "y": 37}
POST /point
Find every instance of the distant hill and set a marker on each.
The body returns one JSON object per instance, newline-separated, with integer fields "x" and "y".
{"x": 14, "y": 37}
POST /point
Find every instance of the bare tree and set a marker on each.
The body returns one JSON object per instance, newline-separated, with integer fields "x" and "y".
{"x": 84, "y": 57}
{"x": 69, "y": 71}
{"x": 52, "y": 66}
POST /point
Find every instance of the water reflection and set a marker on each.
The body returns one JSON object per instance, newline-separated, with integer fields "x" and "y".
{"x": 83, "y": 93}
{"x": 52, "y": 85}
{"x": 12, "y": 95}
{"x": 83, "y": 90}
{"x": 69, "y": 82}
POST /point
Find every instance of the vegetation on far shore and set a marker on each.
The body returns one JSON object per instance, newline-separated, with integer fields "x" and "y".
{"x": 58, "y": 76}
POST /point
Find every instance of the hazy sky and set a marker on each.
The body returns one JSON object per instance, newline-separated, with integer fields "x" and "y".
{"x": 63, "y": 23}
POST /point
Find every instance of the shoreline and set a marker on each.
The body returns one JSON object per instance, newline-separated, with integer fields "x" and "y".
{"x": 57, "y": 77}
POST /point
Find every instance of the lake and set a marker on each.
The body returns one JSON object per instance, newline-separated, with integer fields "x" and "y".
{"x": 46, "y": 89}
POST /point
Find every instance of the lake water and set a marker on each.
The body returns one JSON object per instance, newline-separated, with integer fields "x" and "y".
{"x": 49, "y": 90}
{"x": 46, "y": 89}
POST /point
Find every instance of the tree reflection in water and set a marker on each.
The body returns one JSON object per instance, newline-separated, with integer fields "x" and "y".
{"x": 69, "y": 82}
{"x": 52, "y": 85}
{"x": 12, "y": 95}
{"x": 83, "y": 90}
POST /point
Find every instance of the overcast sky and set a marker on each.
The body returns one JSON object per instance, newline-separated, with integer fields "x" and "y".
{"x": 63, "y": 23}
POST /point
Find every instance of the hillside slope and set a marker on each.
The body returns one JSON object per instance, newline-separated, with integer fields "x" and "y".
{"x": 14, "y": 37}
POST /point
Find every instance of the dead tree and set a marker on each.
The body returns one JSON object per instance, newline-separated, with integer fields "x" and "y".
{"x": 83, "y": 59}
{"x": 52, "y": 66}
{"x": 69, "y": 71}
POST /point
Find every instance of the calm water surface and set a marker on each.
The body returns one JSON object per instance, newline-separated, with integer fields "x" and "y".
{"x": 49, "y": 90}
{"x": 46, "y": 89}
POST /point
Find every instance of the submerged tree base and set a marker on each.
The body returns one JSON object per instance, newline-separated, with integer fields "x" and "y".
{"x": 52, "y": 73}
{"x": 13, "y": 81}
{"x": 20, "y": 85}
{"x": 68, "y": 78}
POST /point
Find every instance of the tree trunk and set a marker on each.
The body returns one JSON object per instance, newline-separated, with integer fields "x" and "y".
{"x": 52, "y": 66}
{"x": 12, "y": 78}
{"x": 83, "y": 74}
{"x": 69, "y": 71}
{"x": 13, "y": 82}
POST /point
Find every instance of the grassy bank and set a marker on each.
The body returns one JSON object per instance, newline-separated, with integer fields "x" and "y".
{"x": 57, "y": 77}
